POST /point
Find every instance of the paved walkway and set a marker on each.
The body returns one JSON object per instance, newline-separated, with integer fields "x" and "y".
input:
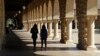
{"x": 19, "y": 43}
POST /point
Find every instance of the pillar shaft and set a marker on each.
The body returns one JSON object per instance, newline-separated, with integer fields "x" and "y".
{"x": 31, "y": 25}
{"x": 31, "y": 16}
{"x": 62, "y": 5}
{"x": 91, "y": 39}
{"x": 24, "y": 23}
{"x": 91, "y": 34}
{"x": 25, "y": 19}
{"x": 55, "y": 30}
{"x": 26, "y": 26}
{"x": 39, "y": 27}
{"x": 27, "y": 23}
{"x": 69, "y": 29}
{"x": 81, "y": 12}
{"x": 50, "y": 29}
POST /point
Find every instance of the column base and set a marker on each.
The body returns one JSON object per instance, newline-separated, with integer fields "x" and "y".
{"x": 49, "y": 36}
{"x": 81, "y": 46}
{"x": 69, "y": 42}
{"x": 63, "y": 41}
{"x": 91, "y": 48}
{"x": 25, "y": 29}
{"x": 55, "y": 37}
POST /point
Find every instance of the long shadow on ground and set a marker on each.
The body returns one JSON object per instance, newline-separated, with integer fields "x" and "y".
{"x": 14, "y": 46}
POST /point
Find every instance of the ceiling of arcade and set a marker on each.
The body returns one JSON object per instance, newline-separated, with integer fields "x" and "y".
{"x": 13, "y": 6}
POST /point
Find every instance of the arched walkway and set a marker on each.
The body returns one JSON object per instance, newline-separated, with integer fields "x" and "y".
{"x": 84, "y": 12}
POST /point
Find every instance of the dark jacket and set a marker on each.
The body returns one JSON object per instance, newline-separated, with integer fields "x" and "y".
{"x": 34, "y": 31}
{"x": 43, "y": 33}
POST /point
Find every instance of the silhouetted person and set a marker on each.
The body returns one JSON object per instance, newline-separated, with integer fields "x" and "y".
{"x": 34, "y": 32}
{"x": 43, "y": 35}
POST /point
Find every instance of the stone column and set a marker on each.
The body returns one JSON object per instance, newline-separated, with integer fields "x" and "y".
{"x": 31, "y": 17}
{"x": 2, "y": 23}
{"x": 23, "y": 25}
{"x": 39, "y": 26}
{"x": 26, "y": 26}
{"x": 69, "y": 29}
{"x": 31, "y": 25}
{"x": 41, "y": 23}
{"x": 50, "y": 29}
{"x": 28, "y": 18}
{"x": 81, "y": 12}
{"x": 91, "y": 30}
{"x": 62, "y": 6}
{"x": 25, "y": 19}
{"x": 27, "y": 15}
{"x": 55, "y": 30}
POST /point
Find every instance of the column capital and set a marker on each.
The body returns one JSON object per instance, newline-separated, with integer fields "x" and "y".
{"x": 91, "y": 17}
{"x": 49, "y": 21}
{"x": 44, "y": 21}
{"x": 55, "y": 30}
{"x": 56, "y": 20}
{"x": 38, "y": 21}
{"x": 62, "y": 17}
{"x": 69, "y": 18}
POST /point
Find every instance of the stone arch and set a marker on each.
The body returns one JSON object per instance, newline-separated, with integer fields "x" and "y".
{"x": 56, "y": 10}
{"x": 44, "y": 11}
{"x": 49, "y": 10}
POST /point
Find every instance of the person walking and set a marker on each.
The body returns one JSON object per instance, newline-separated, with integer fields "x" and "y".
{"x": 43, "y": 35}
{"x": 34, "y": 32}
